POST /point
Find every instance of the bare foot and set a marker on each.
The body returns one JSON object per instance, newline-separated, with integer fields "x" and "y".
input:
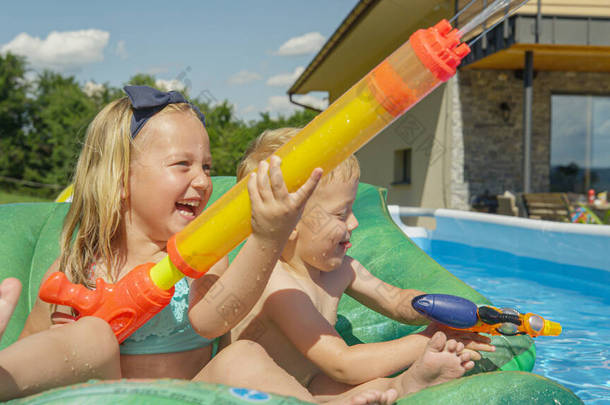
{"x": 443, "y": 360}
{"x": 10, "y": 288}
{"x": 374, "y": 397}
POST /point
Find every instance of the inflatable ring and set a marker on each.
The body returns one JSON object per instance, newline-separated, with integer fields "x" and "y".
{"x": 32, "y": 245}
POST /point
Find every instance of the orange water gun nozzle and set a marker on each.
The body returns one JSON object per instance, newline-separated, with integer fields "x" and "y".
{"x": 126, "y": 305}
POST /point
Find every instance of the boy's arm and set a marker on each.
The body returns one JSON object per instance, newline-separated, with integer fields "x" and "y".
{"x": 395, "y": 303}
{"x": 389, "y": 300}
{"x": 298, "y": 319}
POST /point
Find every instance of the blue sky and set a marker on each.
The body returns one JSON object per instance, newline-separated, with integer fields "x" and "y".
{"x": 247, "y": 52}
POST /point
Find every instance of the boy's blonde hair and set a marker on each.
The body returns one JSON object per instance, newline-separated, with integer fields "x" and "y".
{"x": 271, "y": 140}
{"x": 100, "y": 180}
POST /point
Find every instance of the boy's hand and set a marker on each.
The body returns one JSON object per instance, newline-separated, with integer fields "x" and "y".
{"x": 473, "y": 342}
{"x": 275, "y": 211}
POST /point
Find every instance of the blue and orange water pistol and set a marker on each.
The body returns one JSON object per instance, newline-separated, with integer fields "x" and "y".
{"x": 460, "y": 313}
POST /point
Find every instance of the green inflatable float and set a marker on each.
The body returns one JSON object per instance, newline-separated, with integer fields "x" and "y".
{"x": 29, "y": 244}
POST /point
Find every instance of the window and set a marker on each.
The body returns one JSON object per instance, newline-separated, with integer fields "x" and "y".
{"x": 402, "y": 166}
{"x": 580, "y": 143}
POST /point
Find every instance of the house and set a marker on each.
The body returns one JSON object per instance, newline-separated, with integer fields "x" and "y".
{"x": 529, "y": 109}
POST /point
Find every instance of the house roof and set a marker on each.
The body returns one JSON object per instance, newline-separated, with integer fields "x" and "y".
{"x": 375, "y": 28}
{"x": 372, "y": 30}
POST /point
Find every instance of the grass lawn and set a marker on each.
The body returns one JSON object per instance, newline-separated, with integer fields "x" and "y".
{"x": 6, "y": 198}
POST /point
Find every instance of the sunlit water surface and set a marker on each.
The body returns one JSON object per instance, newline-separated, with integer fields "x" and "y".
{"x": 576, "y": 297}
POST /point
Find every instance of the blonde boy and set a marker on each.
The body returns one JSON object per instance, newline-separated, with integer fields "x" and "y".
{"x": 294, "y": 319}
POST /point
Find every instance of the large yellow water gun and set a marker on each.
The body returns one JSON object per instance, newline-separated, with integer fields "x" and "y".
{"x": 429, "y": 58}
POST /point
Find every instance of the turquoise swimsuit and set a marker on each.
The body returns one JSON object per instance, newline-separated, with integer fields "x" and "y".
{"x": 169, "y": 331}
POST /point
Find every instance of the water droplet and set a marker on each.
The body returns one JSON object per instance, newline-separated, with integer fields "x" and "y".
{"x": 258, "y": 278}
{"x": 323, "y": 254}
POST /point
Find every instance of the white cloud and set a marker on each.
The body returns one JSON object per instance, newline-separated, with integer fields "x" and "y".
{"x": 121, "y": 50}
{"x": 282, "y": 104}
{"x": 244, "y": 77}
{"x": 312, "y": 101}
{"x": 249, "y": 109}
{"x": 155, "y": 70}
{"x": 91, "y": 88}
{"x": 167, "y": 85}
{"x": 63, "y": 51}
{"x": 286, "y": 79}
{"x": 305, "y": 44}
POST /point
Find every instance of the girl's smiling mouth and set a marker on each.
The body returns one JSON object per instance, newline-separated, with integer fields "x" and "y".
{"x": 188, "y": 208}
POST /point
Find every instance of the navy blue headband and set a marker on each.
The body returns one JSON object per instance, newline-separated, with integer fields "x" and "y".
{"x": 147, "y": 101}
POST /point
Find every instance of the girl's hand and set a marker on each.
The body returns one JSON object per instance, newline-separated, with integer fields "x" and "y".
{"x": 275, "y": 211}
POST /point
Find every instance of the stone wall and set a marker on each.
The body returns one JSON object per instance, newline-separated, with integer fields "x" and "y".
{"x": 493, "y": 141}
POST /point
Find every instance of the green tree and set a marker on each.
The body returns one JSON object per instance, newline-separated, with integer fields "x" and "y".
{"x": 60, "y": 115}
{"x": 143, "y": 79}
{"x": 230, "y": 136}
{"x": 14, "y": 107}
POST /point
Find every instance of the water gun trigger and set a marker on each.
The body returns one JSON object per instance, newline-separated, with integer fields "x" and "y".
{"x": 121, "y": 320}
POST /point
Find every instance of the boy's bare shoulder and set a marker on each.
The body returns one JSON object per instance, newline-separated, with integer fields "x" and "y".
{"x": 281, "y": 279}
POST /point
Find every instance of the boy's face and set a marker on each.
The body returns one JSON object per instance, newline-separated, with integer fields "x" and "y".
{"x": 325, "y": 229}
{"x": 169, "y": 179}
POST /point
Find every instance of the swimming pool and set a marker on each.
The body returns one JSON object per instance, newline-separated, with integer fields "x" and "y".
{"x": 576, "y": 296}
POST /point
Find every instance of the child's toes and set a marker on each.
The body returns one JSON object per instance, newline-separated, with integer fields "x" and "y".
{"x": 451, "y": 346}
{"x": 465, "y": 356}
{"x": 367, "y": 397}
{"x": 468, "y": 365}
{"x": 389, "y": 397}
{"x": 460, "y": 347}
{"x": 438, "y": 342}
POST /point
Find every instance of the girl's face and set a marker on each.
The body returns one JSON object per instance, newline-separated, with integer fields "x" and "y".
{"x": 169, "y": 177}
{"x": 325, "y": 228}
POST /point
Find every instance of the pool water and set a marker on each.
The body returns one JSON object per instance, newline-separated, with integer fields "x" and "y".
{"x": 576, "y": 297}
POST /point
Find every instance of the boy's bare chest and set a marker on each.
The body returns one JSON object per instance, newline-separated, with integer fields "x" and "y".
{"x": 325, "y": 298}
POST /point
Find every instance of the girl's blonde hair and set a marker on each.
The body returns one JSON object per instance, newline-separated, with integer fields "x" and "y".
{"x": 271, "y": 140}
{"x": 101, "y": 181}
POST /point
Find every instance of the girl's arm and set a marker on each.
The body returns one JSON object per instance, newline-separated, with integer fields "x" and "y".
{"x": 233, "y": 292}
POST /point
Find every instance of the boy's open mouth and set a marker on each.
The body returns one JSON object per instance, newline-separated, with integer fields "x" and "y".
{"x": 346, "y": 244}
